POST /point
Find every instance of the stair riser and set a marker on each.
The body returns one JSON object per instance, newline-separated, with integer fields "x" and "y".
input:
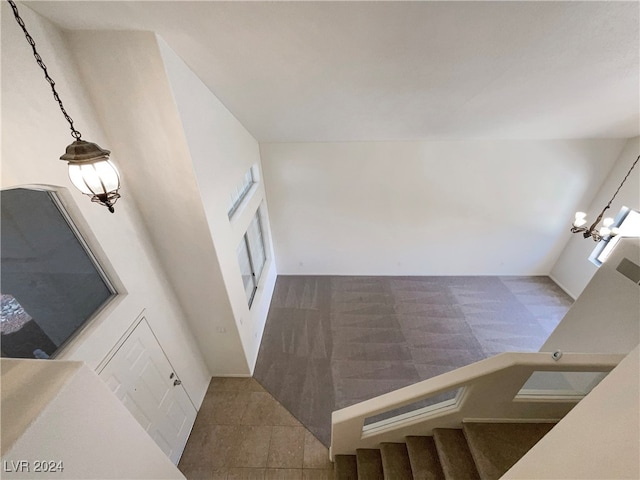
{"x": 479, "y": 450}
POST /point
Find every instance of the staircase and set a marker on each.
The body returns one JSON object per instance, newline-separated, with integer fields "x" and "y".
{"x": 477, "y": 451}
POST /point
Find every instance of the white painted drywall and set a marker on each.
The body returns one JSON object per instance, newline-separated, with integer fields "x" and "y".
{"x": 573, "y": 270}
{"x": 78, "y": 422}
{"x": 132, "y": 93}
{"x": 428, "y": 208}
{"x": 606, "y": 316}
{"x": 598, "y": 439}
{"x": 222, "y": 151}
{"x": 34, "y": 135}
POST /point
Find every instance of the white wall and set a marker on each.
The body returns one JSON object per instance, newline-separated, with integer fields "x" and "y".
{"x": 134, "y": 96}
{"x": 428, "y": 208}
{"x": 222, "y": 151}
{"x": 34, "y": 135}
{"x": 70, "y": 416}
{"x": 606, "y": 316}
{"x": 599, "y": 438}
{"x": 573, "y": 270}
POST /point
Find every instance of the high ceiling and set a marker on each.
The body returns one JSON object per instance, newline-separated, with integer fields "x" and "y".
{"x": 372, "y": 71}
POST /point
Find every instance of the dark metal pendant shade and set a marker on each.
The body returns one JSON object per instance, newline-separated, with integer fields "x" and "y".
{"x": 83, "y": 152}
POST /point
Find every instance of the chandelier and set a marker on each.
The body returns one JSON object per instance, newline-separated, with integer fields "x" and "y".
{"x": 90, "y": 169}
{"x": 607, "y": 230}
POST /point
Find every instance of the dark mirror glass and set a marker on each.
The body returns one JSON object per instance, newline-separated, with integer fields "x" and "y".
{"x": 51, "y": 286}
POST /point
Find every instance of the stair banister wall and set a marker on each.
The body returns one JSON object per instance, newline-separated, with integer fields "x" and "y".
{"x": 489, "y": 390}
{"x": 605, "y": 317}
{"x": 599, "y": 438}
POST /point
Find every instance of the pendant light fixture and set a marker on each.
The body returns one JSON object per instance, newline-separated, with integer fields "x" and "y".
{"x": 607, "y": 230}
{"x": 90, "y": 169}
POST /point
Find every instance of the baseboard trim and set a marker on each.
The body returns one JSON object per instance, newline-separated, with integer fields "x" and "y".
{"x": 564, "y": 288}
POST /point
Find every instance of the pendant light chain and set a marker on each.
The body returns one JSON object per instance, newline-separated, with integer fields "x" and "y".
{"x": 608, "y": 205}
{"x": 74, "y": 133}
{"x": 623, "y": 180}
{"x": 90, "y": 169}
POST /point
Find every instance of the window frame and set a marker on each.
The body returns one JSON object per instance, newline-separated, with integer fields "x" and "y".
{"x": 86, "y": 247}
{"x": 244, "y": 190}
{"x": 64, "y": 204}
{"x": 605, "y": 246}
{"x": 251, "y": 256}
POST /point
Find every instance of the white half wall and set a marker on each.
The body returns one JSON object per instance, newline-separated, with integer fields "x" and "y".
{"x": 34, "y": 135}
{"x": 61, "y": 412}
{"x": 428, "y": 208}
{"x": 573, "y": 270}
{"x": 598, "y": 439}
{"x": 606, "y": 316}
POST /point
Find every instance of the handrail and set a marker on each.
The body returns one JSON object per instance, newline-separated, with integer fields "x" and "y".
{"x": 488, "y": 390}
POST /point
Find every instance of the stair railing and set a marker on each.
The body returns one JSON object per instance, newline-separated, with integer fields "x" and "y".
{"x": 488, "y": 390}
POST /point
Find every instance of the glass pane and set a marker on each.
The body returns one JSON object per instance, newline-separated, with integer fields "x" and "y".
{"x": 441, "y": 400}
{"x": 256, "y": 245}
{"x": 50, "y": 285}
{"x": 245, "y": 270}
{"x": 240, "y": 192}
{"x": 628, "y": 222}
{"x": 561, "y": 383}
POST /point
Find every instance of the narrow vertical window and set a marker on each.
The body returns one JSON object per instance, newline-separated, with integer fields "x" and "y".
{"x": 252, "y": 257}
{"x": 246, "y": 270}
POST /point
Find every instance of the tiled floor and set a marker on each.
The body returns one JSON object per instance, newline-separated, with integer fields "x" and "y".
{"x": 242, "y": 432}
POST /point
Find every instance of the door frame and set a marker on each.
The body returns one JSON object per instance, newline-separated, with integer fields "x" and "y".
{"x": 141, "y": 317}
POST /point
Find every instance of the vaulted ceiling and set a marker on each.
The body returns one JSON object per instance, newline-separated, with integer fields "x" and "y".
{"x": 371, "y": 71}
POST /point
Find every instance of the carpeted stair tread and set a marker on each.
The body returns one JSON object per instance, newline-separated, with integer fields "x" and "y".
{"x": 395, "y": 461}
{"x": 423, "y": 457}
{"x": 455, "y": 457}
{"x": 496, "y": 447}
{"x": 369, "y": 463}
{"x": 345, "y": 467}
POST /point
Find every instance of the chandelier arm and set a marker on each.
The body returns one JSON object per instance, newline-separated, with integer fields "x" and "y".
{"x": 593, "y": 226}
{"x": 74, "y": 133}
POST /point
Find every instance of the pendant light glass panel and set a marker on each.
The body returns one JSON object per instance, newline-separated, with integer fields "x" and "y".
{"x": 95, "y": 178}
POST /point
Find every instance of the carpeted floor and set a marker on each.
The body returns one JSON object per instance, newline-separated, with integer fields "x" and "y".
{"x": 332, "y": 341}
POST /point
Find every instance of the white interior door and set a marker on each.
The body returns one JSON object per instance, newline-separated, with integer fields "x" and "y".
{"x": 141, "y": 376}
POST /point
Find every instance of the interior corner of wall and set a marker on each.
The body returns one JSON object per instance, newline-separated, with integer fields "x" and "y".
{"x": 564, "y": 288}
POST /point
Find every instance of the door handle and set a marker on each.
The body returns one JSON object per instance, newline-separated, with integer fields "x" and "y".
{"x": 177, "y": 382}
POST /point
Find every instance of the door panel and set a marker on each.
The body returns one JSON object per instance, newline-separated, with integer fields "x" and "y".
{"x": 136, "y": 411}
{"x": 141, "y": 376}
